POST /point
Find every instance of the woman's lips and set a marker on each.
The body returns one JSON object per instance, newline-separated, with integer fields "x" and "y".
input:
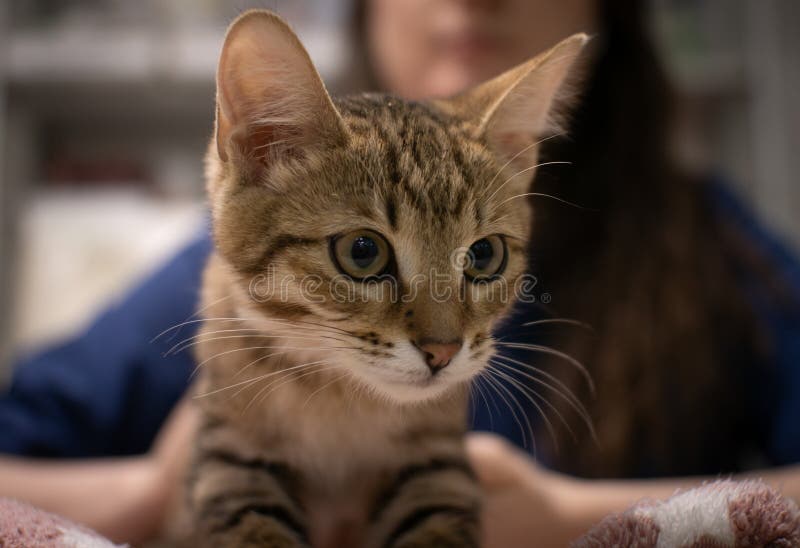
{"x": 469, "y": 45}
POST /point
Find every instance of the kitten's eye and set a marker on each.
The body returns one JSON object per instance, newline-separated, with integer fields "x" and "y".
{"x": 361, "y": 254}
{"x": 486, "y": 258}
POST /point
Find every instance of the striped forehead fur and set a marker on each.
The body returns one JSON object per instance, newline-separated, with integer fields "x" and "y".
{"x": 417, "y": 155}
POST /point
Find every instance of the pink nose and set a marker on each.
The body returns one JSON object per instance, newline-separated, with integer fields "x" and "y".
{"x": 438, "y": 355}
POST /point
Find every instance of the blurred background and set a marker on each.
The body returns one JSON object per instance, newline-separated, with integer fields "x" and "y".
{"x": 106, "y": 109}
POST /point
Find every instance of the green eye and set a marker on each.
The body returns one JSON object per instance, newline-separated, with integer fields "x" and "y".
{"x": 361, "y": 254}
{"x": 486, "y": 258}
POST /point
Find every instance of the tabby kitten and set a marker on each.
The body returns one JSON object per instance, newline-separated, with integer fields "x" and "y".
{"x": 365, "y": 249}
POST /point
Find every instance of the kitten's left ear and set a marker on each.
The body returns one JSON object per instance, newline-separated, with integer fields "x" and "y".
{"x": 270, "y": 97}
{"x": 525, "y": 103}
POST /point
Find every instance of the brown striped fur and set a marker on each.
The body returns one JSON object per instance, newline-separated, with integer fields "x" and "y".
{"x": 362, "y": 447}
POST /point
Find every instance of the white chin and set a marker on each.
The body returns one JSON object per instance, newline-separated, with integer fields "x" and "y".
{"x": 408, "y": 392}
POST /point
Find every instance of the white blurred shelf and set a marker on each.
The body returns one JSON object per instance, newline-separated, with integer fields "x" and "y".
{"x": 87, "y": 54}
{"x": 79, "y": 251}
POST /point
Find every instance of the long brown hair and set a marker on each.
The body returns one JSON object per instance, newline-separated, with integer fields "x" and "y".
{"x": 651, "y": 271}
{"x": 649, "y": 266}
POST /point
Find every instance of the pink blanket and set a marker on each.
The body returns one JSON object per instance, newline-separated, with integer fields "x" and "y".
{"x": 723, "y": 514}
{"x": 23, "y": 526}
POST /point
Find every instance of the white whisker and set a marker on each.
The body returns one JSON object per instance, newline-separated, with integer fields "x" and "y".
{"x": 568, "y": 321}
{"x": 553, "y": 352}
{"x": 288, "y": 379}
{"x": 526, "y": 391}
{"x": 197, "y": 313}
{"x": 197, "y": 339}
{"x": 254, "y": 379}
{"x": 520, "y": 172}
{"x": 211, "y": 339}
{"x": 518, "y": 154}
{"x": 562, "y": 200}
{"x": 498, "y": 386}
{"x": 560, "y": 388}
{"x": 324, "y": 386}
{"x": 488, "y": 399}
{"x": 199, "y": 320}
{"x": 566, "y": 394}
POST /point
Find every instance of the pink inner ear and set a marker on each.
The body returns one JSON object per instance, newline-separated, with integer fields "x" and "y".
{"x": 266, "y": 142}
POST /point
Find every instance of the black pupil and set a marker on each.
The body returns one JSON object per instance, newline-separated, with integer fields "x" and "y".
{"x": 482, "y": 253}
{"x": 364, "y": 251}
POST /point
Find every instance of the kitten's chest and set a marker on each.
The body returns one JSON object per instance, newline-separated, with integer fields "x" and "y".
{"x": 343, "y": 449}
{"x": 337, "y": 520}
{"x": 337, "y": 440}
{"x": 343, "y": 452}
{"x": 349, "y": 454}
{"x": 330, "y": 436}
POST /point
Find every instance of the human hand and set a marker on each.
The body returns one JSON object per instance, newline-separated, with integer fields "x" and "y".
{"x": 168, "y": 463}
{"x": 524, "y": 504}
{"x": 128, "y": 499}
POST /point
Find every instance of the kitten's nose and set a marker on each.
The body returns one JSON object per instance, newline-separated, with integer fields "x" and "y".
{"x": 438, "y": 354}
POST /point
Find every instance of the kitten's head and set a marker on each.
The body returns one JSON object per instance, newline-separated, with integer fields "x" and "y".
{"x": 401, "y": 227}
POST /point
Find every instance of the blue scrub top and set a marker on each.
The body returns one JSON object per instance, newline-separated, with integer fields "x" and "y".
{"x": 108, "y": 391}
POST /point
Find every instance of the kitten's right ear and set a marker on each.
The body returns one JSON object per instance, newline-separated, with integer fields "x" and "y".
{"x": 270, "y": 98}
{"x": 523, "y": 105}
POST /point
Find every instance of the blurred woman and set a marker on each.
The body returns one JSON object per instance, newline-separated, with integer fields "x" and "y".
{"x": 695, "y": 310}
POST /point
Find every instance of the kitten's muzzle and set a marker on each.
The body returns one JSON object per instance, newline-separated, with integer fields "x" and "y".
{"x": 438, "y": 354}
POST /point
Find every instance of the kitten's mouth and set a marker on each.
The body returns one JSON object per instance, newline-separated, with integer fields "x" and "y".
{"x": 423, "y": 383}
{"x": 434, "y": 380}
